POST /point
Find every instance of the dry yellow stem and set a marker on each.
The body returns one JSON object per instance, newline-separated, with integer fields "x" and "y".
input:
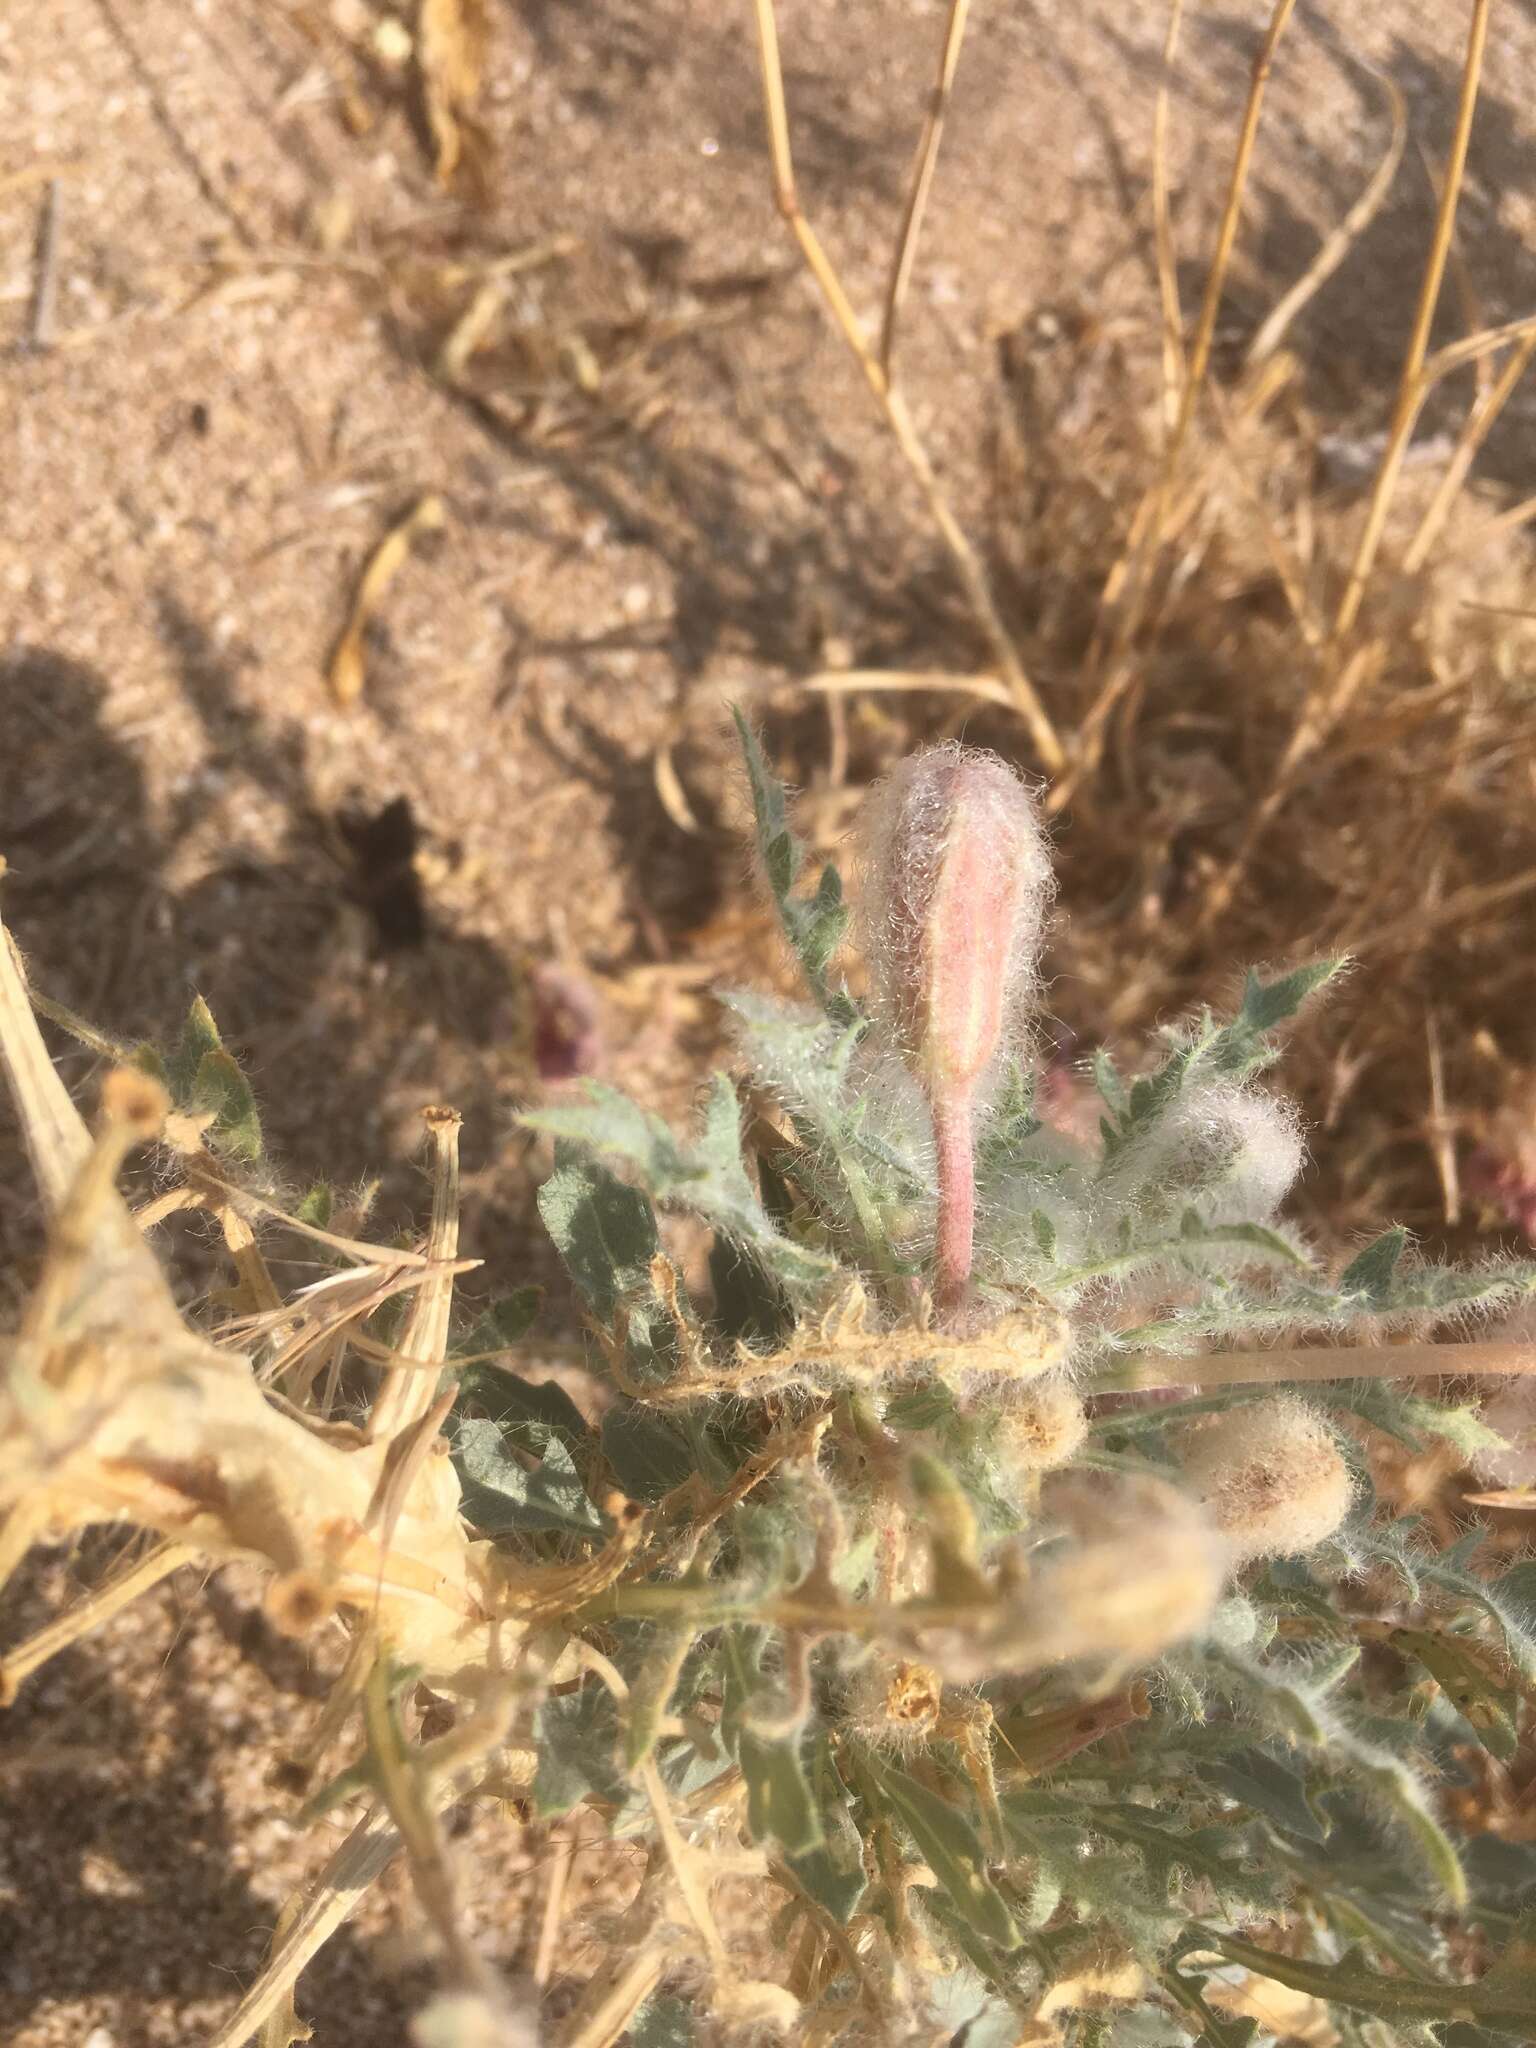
{"x": 967, "y": 562}
{"x": 1282, "y": 1366}
{"x": 406, "y": 1396}
{"x": 347, "y": 671}
{"x": 450, "y": 55}
{"x": 120, "y": 1592}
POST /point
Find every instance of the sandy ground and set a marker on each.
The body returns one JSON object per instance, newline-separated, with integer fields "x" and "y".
{"x": 664, "y": 489}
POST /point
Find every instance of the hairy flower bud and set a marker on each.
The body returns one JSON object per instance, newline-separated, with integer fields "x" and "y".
{"x": 1140, "y": 1568}
{"x": 1229, "y": 1151}
{"x": 1272, "y": 1477}
{"x": 957, "y": 876}
{"x": 1042, "y": 1427}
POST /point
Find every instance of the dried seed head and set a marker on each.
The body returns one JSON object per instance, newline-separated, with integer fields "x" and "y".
{"x": 1042, "y": 1428}
{"x": 1272, "y": 1478}
{"x": 957, "y": 876}
{"x": 297, "y": 1603}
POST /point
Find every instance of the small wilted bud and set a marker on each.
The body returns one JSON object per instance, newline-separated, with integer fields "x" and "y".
{"x": 471, "y": 2019}
{"x": 135, "y": 1101}
{"x": 894, "y": 1708}
{"x": 957, "y": 876}
{"x": 755, "y": 2003}
{"x": 1272, "y": 1478}
{"x": 1042, "y": 1428}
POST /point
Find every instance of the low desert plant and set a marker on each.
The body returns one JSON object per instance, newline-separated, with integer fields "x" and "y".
{"x": 1036, "y": 1704}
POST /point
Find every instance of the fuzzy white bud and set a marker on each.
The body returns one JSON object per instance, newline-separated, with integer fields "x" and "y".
{"x": 1272, "y": 1477}
{"x": 1228, "y": 1151}
{"x": 1042, "y": 1427}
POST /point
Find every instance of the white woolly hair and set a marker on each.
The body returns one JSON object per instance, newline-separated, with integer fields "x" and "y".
{"x": 1041, "y": 1427}
{"x": 903, "y": 832}
{"x": 1230, "y": 1151}
{"x": 1272, "y": 1477}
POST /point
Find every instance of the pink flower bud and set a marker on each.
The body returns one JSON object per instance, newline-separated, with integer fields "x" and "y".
{"x": 957, "y": 877}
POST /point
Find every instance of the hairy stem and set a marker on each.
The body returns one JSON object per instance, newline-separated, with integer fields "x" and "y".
{"x": 953, "y": 1118}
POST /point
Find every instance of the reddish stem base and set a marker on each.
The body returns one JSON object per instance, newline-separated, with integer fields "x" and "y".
{"x": 955, "y": 1236}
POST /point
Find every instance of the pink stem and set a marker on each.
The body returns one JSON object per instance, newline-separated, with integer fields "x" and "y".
{"x": 952, "y": 1117}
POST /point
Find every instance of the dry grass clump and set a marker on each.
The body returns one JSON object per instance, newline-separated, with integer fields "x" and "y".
{"x": 1281, "y": 717}
{"x": 1268, "y": 790}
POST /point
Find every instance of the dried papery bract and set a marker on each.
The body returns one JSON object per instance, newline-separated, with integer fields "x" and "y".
{"x": 894, "y": 1706}
{"x": 1272, "y": 1477}
{"x": 957, "y": 877}
{"x": 113, "y": 1409}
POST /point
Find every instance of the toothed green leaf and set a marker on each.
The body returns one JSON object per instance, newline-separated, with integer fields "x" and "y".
{"x": 579, "y": 1744}
{"x": 605, "y": 1231}
{"x": 779, "y": 1804}
{"x": 1370, "y": 1272}
{"x": 813, "y": 926}
{"x": 708, "y": 1177}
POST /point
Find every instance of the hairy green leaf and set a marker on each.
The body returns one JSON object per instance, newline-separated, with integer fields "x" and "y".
{"x": 1352, "y": 1982}
{"x": 950, "y": 1846}
{"x": 662, "y": 2022}
{"x": 813, "y": 926}
{"x": 605, "y": 1231}
{"x": 779, "y": 1803}
{"x": 833, "y": 1872}
{"x": 708, "y": 1178}
{"x": 503, "y": 1493}
{"x": 527, "y": 1412}
{"x": 579, "y": 1742}
{"x": 1262, "y": 1783}
{"x": 649, "y": 1454}
{"x": 1369, "y": 1273}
